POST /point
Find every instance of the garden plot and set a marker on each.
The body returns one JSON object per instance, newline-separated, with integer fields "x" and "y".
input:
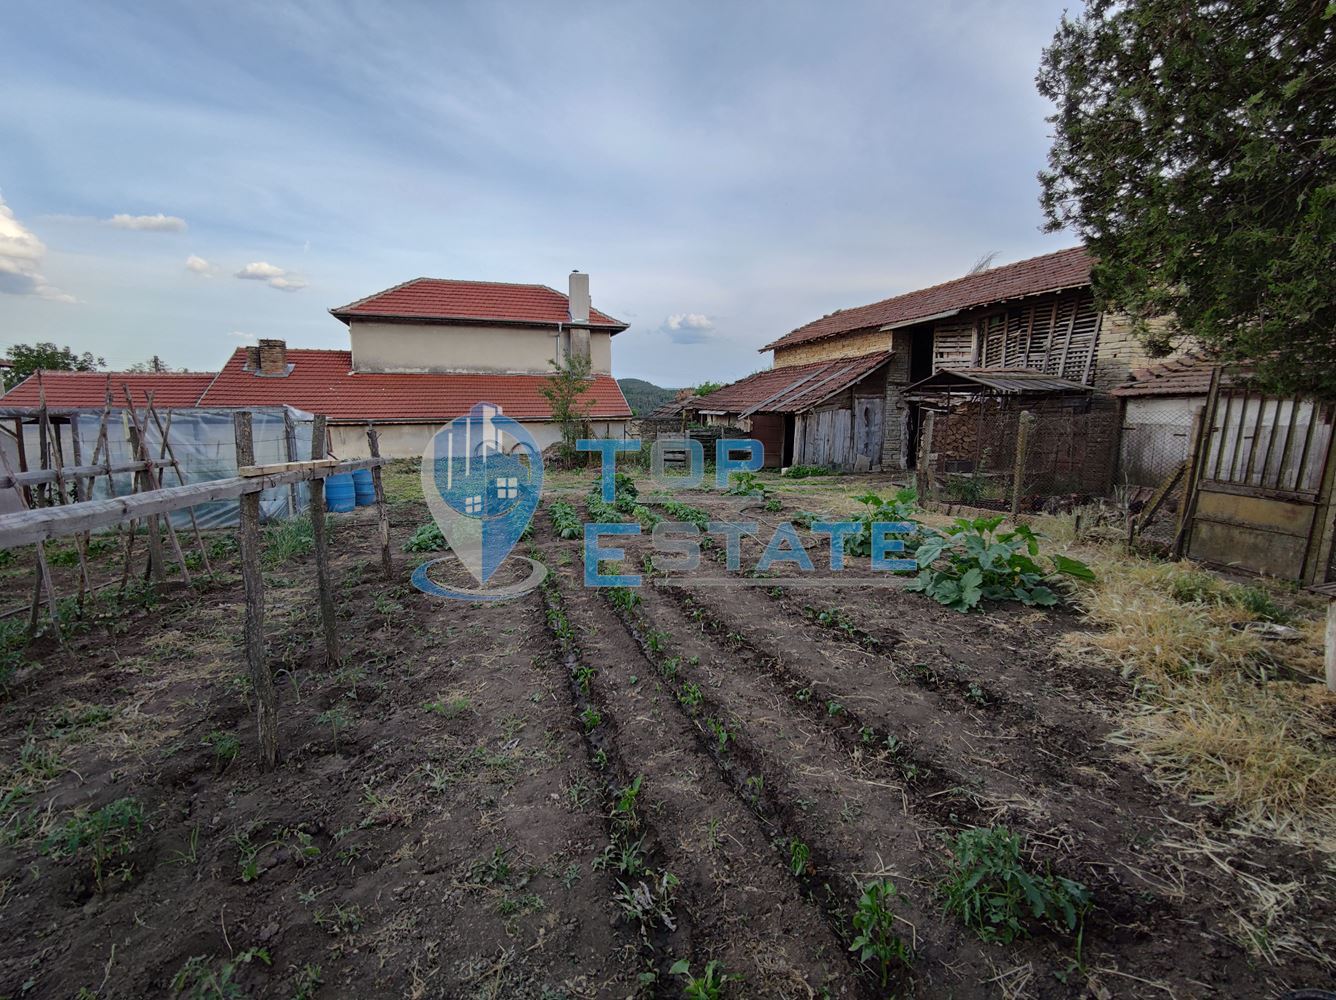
{"x": 761, "y": 791}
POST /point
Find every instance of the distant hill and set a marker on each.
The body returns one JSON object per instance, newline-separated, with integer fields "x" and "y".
{"x": 643, "y": 396}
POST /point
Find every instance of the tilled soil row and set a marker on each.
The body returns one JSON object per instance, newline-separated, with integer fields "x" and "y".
{"x": 734, "y": 902}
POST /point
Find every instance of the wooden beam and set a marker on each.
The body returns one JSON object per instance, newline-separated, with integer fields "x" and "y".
{"x": 37, "y": 476}
{"x": 25, "y": 527}
{"x": 247, "y": 471}
{"x": 266, "y": 705}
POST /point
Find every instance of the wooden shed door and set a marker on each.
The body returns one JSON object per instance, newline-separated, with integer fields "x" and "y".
{"x": 867, "y": 427}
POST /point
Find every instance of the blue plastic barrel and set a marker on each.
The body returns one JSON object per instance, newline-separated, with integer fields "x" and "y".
{"x": 364, "y": 491}
{"x": 339, "y": 494}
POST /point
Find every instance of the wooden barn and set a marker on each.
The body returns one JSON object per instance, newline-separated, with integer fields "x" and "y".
{"x": 826, "y": 413}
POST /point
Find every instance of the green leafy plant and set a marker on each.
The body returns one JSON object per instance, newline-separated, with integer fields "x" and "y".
{"x": 877, "y": 509}
{"x": 337, "y": 719}
{"x": 712, "y": 984}
{"x": 686, "y": 513}
{"x": 989, "y": 888}
{"x": 774, "y": 506}
{"x": 591, "y": 718}
{"x": 808, "y": 471}
{"x": 981, "y": 563}
{"x": 875, "y": 941}
{"x": 624, "y": 806}
{"x": 746, "y": 484}
{"x": 106, "y": 835}
{"x": 565, "y": 521}
{"x": 800, "y": 856}
{"x": 226, "y": 746}
{"x": 690, "y": 695}
{"x": 426, "y": 538}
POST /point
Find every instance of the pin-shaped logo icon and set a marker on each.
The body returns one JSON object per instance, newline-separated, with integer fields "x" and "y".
{"x": 482, "y": 478}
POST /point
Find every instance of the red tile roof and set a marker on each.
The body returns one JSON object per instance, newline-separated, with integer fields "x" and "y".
{"x": 77, "y": 390}
{"x": 470, "y": 301}
{"x": 1049, "y": 273}
{"x": 323, "y": 382}
{"x": 792, "y": 388}
{"x": 1186, "y": 376}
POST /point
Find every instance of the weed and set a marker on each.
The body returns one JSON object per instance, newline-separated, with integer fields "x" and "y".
{"x": 720, "y": 733}
{"x": 341, "y": 919}
{"x": 226, "y": 746}
{"x": 834, "y": 708}
{"x": 989, "y": 888}
{"x": 624, "y": 807}
{"x": 800, "y": 856}
{"x": 288, "y": 540}
{"x": 657, "y": 641}
{"x": 807, "y": 471}
{"x": 623, "y": 598}
{"x": 108, "y": 834}
{"x": 601, "y": 759}
{"x": 584, "y": 676}
{"x": 199, "y": 979}
{"x": 591, "y": 718}
{"x": 755, "y": 786}
{"x": 337, "y": 719}
{"x": 746, "y": 484}
{"x": 625, "y": 858}
{"x": 648, "y": 902}
{"x": 451, "y": 709}
{"x": 710, "y": 985}
{"x": 774, "y": 506}
{"x": 190, "y": 855}
{"x": 875, "y": 941}
{"x": 686, "y": 514}
{"x": 307, "y": 981}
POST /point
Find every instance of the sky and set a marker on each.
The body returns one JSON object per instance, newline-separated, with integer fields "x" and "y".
{"x": 180, "y": 179}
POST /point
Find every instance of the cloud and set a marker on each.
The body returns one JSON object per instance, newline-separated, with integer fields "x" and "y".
{"x": 199, "y": 265}
{"x": 148, "y": 223}
{"x": 688, "y": 328}
{"x": 21, "y": 256}
{"x": 242, "y": 335}
{"x": 271, "y": 275}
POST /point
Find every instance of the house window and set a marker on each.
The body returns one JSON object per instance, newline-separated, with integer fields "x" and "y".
{"x": 507, "y": 488}
{"x": 473, "y": 504}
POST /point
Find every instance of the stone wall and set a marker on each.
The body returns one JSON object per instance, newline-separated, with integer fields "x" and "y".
{"x": 844, "y": 345}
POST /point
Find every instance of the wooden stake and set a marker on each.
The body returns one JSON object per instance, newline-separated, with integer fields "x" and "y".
{"x": 1023, "y": 425}
{"x": 1331, "y": 644}
{"x": 154, "y": 479}
{"x": 382, "y": 511}
{"x": 43, "y": 578}
{"x": 290, "y": 449}
{"x": 163, "y": 429}
{"x": 248, "y": 535}
{"x": 923, "y": 462}
{"x": 317, "y": 513}
{"x": 143, "y": 484}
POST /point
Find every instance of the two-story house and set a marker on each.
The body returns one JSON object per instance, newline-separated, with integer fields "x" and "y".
{"x": 421, "y": 353}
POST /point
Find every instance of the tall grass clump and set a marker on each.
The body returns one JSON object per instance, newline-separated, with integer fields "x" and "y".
{"x": 1224, "y": 715}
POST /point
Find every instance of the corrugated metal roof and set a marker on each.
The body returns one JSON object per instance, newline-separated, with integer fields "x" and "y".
{"x": 792, "y": 388}
{"x": 1003, "y": 381}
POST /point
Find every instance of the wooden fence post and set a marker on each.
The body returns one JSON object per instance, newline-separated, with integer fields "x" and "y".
{"x": 923, "y": 461}
{"x": 382, "y": 512}
{"x": 317, "y": 512}
{"x": 1023, "y": 425}
{"x": 266, "y": 707}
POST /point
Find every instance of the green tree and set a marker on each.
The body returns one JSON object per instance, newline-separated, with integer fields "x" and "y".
{"x": 25, "y": 359}
{"x": 1195, "y": 152}
{"x": 705, "y": 388}
{"x": 153, "y": 364}
{"x": 566, "y": 390}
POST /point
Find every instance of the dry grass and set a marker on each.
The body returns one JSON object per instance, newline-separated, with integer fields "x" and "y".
{"x": 1225, "y": 716}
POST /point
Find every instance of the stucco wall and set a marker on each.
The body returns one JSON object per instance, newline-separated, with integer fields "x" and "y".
{"x": 418, "y": 347}
{"x": 846, "y": 345}
{"x": 410, "y": 440}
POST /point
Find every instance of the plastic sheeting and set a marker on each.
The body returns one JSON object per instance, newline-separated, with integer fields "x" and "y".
{"x": 204, "y": 443}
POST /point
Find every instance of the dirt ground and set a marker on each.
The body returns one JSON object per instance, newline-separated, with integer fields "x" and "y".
{"x": 443, "y": 819}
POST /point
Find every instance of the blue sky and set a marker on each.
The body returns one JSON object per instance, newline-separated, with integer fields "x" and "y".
{"x": 725, "y": 172}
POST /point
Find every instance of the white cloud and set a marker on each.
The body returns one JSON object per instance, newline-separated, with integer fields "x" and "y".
{"x": 242, "y": 335}
{"x": 271, "y": 275}
{"x": 21, "y": 256}
{"x": 688, "y": 328}
{"x": 199, "y": 265}
{"x": 148, "y": 223}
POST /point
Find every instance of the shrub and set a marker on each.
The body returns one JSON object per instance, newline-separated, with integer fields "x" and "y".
{"x": 990, "y": 890}
{"x": 807, "y": 471}
{"x": 984, "y": 564}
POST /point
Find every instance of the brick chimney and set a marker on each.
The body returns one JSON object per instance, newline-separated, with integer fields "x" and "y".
{"x": 273, "y": 357}
{"x": 252, "y": 359}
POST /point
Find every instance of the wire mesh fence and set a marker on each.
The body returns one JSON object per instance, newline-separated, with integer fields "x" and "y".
{"x": 1032, "y": 454}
